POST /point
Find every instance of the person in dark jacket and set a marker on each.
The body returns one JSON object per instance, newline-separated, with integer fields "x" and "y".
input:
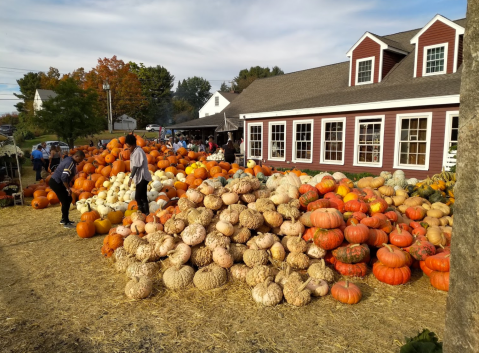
{"x": 38, "y": 162}
{"x": 60, "y": 184}
{"x": 229, "y": 152}
{"x": 140, "y": 174}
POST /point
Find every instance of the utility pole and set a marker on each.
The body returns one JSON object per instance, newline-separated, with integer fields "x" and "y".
{"x": 106, "y": 87}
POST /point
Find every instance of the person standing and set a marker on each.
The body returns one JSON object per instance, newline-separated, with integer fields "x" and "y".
{"x": 55, "y": 158}
{"x": 60, "y": 184}
{"x": 140, "y": 174}
{"x": 177, "y": 145}
{"x": 46, "y": 155}
{"x": 169, "y": 143}
{"x": 182, "y": 141}
{"x": 229, "y": 152}
{"x": 212, "y": 146}
{"x": 37, "y": 161}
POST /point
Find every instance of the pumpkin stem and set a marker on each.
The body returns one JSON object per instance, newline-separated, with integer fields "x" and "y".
{"x": 323, "y": 264}
{"x": 399, "y": 229}
{"x": 347, "y": 284}
{"x": 354, "y": 245}
{"x": 389, "y": 247}
{"x": 301, "y": 288}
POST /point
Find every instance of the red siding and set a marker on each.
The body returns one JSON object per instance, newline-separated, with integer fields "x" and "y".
{"x": 438, "y": 33}
{"x": 389, "y": 60}
{"x": 436, "y": 145}
{"x": 459, "y": 54}
{"x": 365, "y": 49}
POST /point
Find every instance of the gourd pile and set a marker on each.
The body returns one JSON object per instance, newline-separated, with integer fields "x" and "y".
{"x": 287, "y": 235}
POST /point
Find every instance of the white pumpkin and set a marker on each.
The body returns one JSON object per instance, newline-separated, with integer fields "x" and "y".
{"x": 153, "y": 207}
{"x": 106, "y": 184}
{"x": 102, "y": 195}
{"x": 157, "y": 185}
{"x": 152, "y": 195}
{"x": 168, "y": 182}
{"x": 170, "y": 175}
{"x": 127, "y": 196}
{"x": 99, "y": 202}
{"x": 111, "y": 199}
{"x": 103, "y": 210}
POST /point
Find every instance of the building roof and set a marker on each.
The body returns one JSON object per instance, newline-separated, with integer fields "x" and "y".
{"x": 215, "y": 120}
{"x": 329, "y": 85}
{"x": 46, "y": 94}
{"x": 230, "y": 96}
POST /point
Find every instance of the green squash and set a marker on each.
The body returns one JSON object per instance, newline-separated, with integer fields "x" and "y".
{"x": 425, "y": 191}
{"x": 437, "y": 197}
{"x": 222, "y": 180}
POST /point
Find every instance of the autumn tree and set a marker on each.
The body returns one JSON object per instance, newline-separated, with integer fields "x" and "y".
{"x": 125, "y": 88}
{"x": 246, "y": 77}
{"x": 9, "y": 118}
{"x": 50, "y": 79}
{"x": 156, "y": 86}
{"x": 78, "y": 75}
{"x": 73, "y": 113}
{"x": 182, "y": 111}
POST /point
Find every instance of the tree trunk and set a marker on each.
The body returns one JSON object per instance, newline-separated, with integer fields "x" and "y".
{"x": 462, "y": 315}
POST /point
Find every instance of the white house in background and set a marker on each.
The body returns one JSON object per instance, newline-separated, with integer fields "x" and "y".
{"x": 42, "y": 95}
{"x": 217, "y": 102}
{"x": 125, "y": 122}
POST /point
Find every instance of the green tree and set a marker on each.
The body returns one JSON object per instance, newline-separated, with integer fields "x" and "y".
{"x": 73, "y": 113}
{"x": 156, "y": 86}
{"x": 246, "y": 77}
{"x": 224, "y": 87}
{"x": 28, "y": 85}
{"x": 9, "y": 118}
{"x": 182, "y": 111}
{"x": 194, "y": 90}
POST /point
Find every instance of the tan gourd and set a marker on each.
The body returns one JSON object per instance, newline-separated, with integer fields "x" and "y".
{"x": 263, "y": 205}
{"x": 215, "y": 239}
{"x": 267, "y": 293}
{"x": 237, "y": 251}
{"x": 321, "y": 272}
{"x": 225, "y": 228}
{"x": 230, "y": 198}
{"x": 277, "y": 251}
{"x": 143, "y": 269}
{"x": 298, "y": 261}
{"x": 239, "y": 272}
{"x": 258, "y": 274}
{"x": 273, "y": 218}
{"x": 132, "y": 242}
{"x": 230, "y": 215}
{"x": 210, "y": 277}
{"x": 292, "y": 228}
{"x": 314, "y": 251}
{"x": 254, "y": 257}
{"x": 201, "y": 256}
{"x": 139, "y": 288}
{"x": 222, "y": 257}
{"x": 174, "y": 226}
{"x": 241, "y": 235}
{"x": 213, "y": 202}
{"x": 180, "y": 255}
{"x": 436, "y": 236}
{"x": 285, "y": 275}
{"x": 296, "y": 293}
{"x": 318, "y": 288}
{"x": 146, "y": 252}
{"x": 178, "y": 277}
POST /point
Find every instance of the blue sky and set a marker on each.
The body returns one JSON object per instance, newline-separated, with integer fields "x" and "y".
{"x": 213, "y": 39}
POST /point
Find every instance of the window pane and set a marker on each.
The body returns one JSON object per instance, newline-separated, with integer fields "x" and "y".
{"x": 413, "y": 144}
{"x": 435, "y": 60}
{"x": 255, "y": 141}
{"x": 364, "y": 71}
{"x": 369, "y": 141}
{"x": 277, "y": 141}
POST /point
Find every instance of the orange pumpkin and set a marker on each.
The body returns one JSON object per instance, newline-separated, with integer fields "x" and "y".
{"x": 89, "y": 168}
{"x": 258, "y": 169}
{"x": 169, "y": 191}
{"x": 85, "y": 229}
{"x": 133, "y": 205}
{"x": 39, "y": 193}
{"x": 52, "y": 198}
{"x": 201, "y": 173}
{"x": 85, "y": 195}
{"x": 40, "y": 202}
{"x": 163, "y": 164}
{"x": 172, "y": 170}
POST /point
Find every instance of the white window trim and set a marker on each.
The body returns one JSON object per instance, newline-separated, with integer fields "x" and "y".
{"x": 397, "y": 139}
{"x": 356, "y": 142}
{"x": 372, "y": 58}
{"x": 270, "y": 132}
{"x": 323, "y": 142}
{"x": 249, "y": 140}
{"x": 424, "y": 58}
{"x": 293, "y": 139}
{"x": 447, "y": 135}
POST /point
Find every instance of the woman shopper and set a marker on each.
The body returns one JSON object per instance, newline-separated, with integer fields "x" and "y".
{"x": 55, "y": 158}
{"x": 60, "y": 184}
{"x": 140, "y": 174}
{"x": 229, "y": 152}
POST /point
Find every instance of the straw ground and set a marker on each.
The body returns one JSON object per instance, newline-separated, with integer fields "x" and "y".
{"x": 57, "y": 294}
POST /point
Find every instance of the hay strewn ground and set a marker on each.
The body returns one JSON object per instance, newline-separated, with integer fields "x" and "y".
{"x": 57, "y": 294}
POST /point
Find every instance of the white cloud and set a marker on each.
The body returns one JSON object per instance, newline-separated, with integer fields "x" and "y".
{"x": 213, "y": 39}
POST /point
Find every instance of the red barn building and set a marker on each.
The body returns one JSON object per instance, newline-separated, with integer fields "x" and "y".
{"x": 393, "y": 105}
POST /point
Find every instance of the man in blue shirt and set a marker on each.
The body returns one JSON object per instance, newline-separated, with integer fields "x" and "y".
{"x": 60, "y": 184}
{"x": 182, "y": 141}
{"x": 38, "y": 162}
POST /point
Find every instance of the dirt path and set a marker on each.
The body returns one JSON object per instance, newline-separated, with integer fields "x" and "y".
{"x": 57, "y": 294}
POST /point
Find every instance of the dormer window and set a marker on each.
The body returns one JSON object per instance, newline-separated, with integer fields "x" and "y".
{"x": 435, "y": 59}
{"x": 364, "y": 69}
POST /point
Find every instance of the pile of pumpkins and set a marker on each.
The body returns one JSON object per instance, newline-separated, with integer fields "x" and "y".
{"x": 287, "y": 237}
